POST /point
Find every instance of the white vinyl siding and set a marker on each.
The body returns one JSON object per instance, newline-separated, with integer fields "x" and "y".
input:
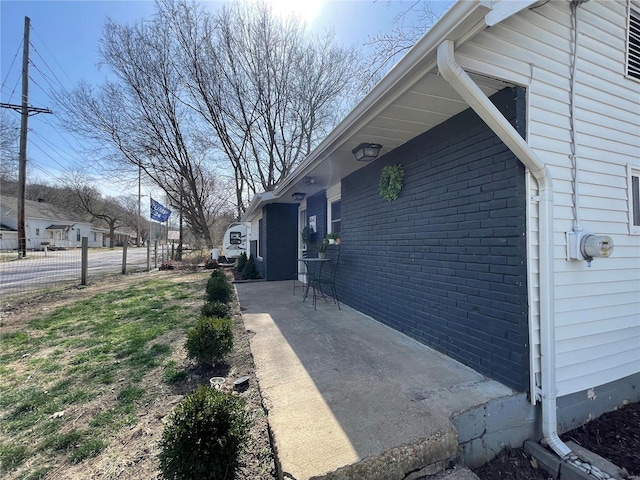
{"x": 597, "y": 309}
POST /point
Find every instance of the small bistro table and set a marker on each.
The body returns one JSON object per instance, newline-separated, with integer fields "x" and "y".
{"x": 314, "y": 274}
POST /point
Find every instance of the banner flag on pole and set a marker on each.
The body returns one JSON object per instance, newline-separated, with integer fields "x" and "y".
{"x": 159, "y": 212}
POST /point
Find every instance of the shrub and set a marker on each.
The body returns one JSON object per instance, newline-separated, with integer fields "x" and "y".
{"x": 211, "y": 264}
{"x": 217, "y": 273}
{"x": 204, "y": 436}
{"x": 241, "y": 262}
{"x": 250, "y": 270}
{"x": 216, "y": 309}
{"x": 210, "y": 340}
{"x": 219, "y": 289}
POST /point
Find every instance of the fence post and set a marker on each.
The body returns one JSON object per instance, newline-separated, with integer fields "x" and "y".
{"x": 148, "y": 255}
{"x": 124, "y": 257}
{"x": 85, "y": 261}
{"x": 155, "y": 254}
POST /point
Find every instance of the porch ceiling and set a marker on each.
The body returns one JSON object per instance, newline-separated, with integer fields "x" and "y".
{"x": 427, "y": 103}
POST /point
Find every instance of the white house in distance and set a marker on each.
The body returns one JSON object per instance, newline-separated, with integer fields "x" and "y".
{"x": 45, "y": 225}
{"x": 513, "y": 245}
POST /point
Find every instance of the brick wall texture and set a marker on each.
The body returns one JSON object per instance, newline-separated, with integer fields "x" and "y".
{"x": 445, "y": 263}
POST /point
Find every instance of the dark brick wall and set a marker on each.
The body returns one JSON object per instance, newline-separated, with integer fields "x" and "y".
{"x": 280, "y": 241}
{"x": 317, "y": 205}
{"x": 445, "y": 263}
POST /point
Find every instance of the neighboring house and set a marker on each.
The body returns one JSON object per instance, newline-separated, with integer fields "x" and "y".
{"x": 120, "y": 236}
{"x": 517, "y": 126}
{"x": 45, "y": 225}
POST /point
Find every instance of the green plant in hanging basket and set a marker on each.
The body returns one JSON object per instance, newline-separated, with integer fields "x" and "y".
{"x": 391, "y": 182}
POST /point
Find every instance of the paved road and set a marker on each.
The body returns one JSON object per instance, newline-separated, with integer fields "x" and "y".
{"x": 40, "y": 270}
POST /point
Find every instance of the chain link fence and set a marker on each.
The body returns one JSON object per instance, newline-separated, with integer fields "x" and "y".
{"x": 48, "y": 269}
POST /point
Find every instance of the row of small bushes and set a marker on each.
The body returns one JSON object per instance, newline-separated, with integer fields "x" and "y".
{"x": 247, "y": 267}
{"x": 207, "y": 431}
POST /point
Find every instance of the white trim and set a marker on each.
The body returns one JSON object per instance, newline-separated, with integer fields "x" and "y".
{"x": 504, "y": 9}
{"x": 632, "y": 172}
{"x": 334, "y": 194}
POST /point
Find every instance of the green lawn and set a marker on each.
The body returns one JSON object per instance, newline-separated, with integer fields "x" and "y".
{"x": 95, "y": 352}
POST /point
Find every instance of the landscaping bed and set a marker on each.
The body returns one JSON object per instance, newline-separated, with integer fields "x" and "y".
{"x": 614, "y": 436}
{"x": 89, "y": 377}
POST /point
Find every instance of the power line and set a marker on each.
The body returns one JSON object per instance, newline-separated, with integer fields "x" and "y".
{"x": 9, "y": 71}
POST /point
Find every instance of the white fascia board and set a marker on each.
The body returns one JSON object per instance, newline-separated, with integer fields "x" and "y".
{"x": 503, "y": 9}
{"x": 257, "y": 202}
{"x": 454, "y": 24}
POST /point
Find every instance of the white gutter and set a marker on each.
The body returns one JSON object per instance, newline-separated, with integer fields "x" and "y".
{"x": 487, "y": 111}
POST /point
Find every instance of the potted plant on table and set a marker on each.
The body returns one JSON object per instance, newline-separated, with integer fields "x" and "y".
{"x": 333, "y": 238}
{"x": 321, "y": 247}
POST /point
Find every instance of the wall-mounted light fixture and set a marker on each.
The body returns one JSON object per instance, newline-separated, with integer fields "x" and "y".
{"x": 298, "y": 196}
{"x": 309, "y": 180}
{"x": 365, "y": 152}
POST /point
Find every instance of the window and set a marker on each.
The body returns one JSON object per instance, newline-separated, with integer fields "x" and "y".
{"x": 633, "y": 195}
{"x": 336, "y": 217}
{"x": 633, "y": 40}
{"x": 37, "y": 232}
{"x": 95, "y": 237}
{"x": 78, "y": 235}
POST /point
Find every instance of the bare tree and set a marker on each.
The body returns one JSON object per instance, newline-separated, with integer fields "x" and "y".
{"x": 268, "y": 90}
{"x": 106, "y": 209}
{"x": 143, "y": 118}
{"x": 410, "y": 24}
{"x": 9, "y": 135}
{"x": 131, "y": 219}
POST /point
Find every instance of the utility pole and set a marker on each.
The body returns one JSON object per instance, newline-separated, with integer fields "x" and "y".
{"x": 24, "y": 110}
{"x": 22, "y": 156}
{"x": 139, "y": 195}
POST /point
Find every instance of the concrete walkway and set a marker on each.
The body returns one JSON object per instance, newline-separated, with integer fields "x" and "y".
{"x": 349, "y": 398}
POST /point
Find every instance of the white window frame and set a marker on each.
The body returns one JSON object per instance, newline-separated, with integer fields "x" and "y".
{"x": 255, "y": 227}
{"x": 631, "y": 173}
{"x": 334, "y": 194}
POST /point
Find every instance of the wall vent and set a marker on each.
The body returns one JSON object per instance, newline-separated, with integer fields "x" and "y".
{"x": 633, "y": 42}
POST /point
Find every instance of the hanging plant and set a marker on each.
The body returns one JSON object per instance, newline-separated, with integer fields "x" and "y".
{"x": 391, "y": 182}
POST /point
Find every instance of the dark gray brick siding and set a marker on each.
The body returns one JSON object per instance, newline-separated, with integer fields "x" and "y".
{"x": 445, "y": 263}
{"x": 317, "y": 205}
{"x": 280, "y": 241}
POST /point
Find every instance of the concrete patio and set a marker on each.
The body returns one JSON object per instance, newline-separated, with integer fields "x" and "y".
{"x": 348, "y": 397}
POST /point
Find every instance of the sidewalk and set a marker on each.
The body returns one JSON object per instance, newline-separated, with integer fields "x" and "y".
{"x": 349, "y": 398}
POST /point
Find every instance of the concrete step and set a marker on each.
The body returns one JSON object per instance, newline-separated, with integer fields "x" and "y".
{"x": 407, "y": 462}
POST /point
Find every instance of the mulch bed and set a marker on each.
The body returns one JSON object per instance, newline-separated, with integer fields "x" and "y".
{"x": 614, "y": 436}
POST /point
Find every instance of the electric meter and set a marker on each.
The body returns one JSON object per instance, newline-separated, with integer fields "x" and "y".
{"x": 596, "y": 246}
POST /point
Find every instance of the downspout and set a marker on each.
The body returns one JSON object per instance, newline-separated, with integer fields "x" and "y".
{"x": 487, "y": 111}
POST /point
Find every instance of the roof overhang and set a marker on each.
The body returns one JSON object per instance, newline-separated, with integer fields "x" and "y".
{"x": 411, "y": 99}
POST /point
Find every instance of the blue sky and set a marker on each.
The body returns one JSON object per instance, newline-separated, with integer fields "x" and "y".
{"x": 64, "y": 50}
